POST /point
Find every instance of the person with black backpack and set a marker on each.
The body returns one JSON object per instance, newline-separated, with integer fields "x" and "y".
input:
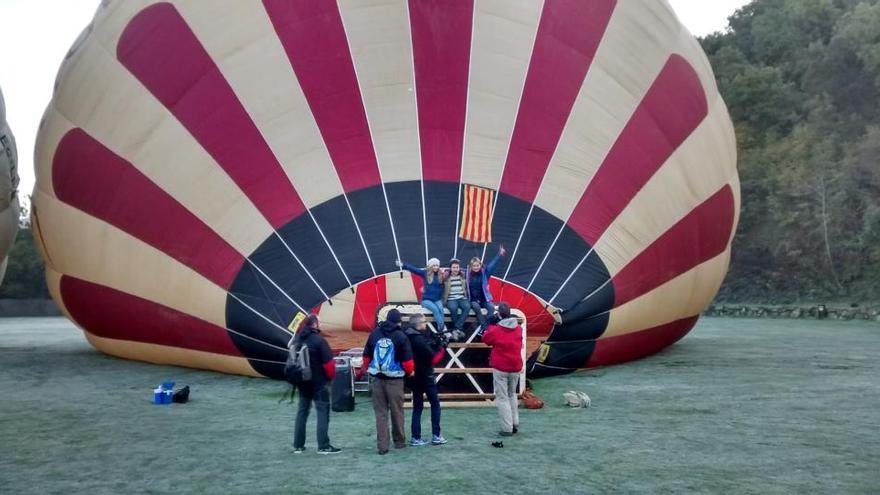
{"x": 388, "y": 358}
{"x": 310, "y": 368}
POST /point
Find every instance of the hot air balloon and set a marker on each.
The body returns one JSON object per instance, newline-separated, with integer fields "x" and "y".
{"x": 208, "y": 170}
{"x": 9, "y": 207}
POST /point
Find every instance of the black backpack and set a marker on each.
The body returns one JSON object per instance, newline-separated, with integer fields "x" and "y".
{"x": 298, "y": 369}
{"x": 181, "y": 396}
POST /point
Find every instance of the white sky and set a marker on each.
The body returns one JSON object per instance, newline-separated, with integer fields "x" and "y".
{"x": 36, "y": 34}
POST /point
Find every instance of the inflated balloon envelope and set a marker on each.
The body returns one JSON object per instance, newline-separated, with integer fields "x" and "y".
{"x": 207, "y": 170}
{"x": 9, "y": 207}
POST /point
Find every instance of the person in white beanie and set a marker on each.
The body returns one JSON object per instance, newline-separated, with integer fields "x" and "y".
{"x": 432, "y": 289}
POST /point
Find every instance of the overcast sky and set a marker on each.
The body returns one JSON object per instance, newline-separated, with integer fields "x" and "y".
{"x": 35, "y": 35}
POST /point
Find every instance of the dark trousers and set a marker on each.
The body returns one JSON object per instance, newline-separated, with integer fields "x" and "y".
{"x": 458, "y": 309}
{"x": 388, "y": 397}
{"x": 490, "y": 310}
{"x": 321, "y": 399}
{"x": 430, "y": 389}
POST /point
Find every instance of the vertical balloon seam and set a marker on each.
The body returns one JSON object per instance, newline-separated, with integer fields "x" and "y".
{"x": 531, "y": 106}
{"x": 354, "y": 177}
{"x": 464, "y": 131}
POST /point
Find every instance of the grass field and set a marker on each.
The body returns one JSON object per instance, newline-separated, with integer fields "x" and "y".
{"x": 739, "y": 406}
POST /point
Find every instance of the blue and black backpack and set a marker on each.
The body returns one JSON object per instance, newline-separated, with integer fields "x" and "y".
{"x": 384, "y": 361}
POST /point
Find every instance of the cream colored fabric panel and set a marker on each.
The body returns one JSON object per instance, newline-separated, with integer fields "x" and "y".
{"x": 241, "y": 40}
{"x": 379, "y": 38}
{"x": 338, "y": 316}
{"x": 156, "y": 144}
{"x": 89, "y": 249}
{"x": 55, "y": 126}
{"x": 624, "y": 68}
{"x": 175, "y": 356}
{"x": 683, "y": 297}
{"x": 53, "y": 283}
{"x": 503, "y": 36}
{"x": 701, "y": 166}
{"x": 399, "y": 289}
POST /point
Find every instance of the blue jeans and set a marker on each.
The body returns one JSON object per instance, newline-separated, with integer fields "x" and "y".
{"x": 490, "y": 310}
{"x": 436, "y": 307}
{"x": 321, "y": 399}
{"x": 430, "y": 389}
{"x": 456, "y": 305}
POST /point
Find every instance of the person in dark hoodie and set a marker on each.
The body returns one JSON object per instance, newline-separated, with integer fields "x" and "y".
{"x": 506, "y": 360}
{"x": 388, "y": 358}
{"x": 428, "y": 350}
{"x": 315, "y": 390}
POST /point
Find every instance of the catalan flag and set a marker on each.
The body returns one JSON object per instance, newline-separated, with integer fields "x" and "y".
{"x": 476, "y": 218}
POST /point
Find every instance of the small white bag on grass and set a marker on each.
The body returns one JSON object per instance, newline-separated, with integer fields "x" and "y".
{"x": 577, "y": 399}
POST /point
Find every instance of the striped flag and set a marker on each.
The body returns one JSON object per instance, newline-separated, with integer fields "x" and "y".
{"x": 476, "y": 218}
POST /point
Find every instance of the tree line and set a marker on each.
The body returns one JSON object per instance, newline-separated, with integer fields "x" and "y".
{"x": 802, "y": 81}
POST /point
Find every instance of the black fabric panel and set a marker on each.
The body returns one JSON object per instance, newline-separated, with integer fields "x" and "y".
{"x": 243, "y": 320}
{"x": 536, "y": 240}
{"x": 405, "y": 200}
{"x": 587, "y": 281}
{"x": 338, "y": 226}
{"x": 563, "y": 358}
{"x": 579, "y": 329}
{"x": 258, "y": 293}
{"x": 441, "y": 204}
{"x": 568, "y": 251}
{"x": 507, "y": 223}
{"x": 305, "y": 240}
{"x": 275, "y": 260}
{"x": 371, "y": 213}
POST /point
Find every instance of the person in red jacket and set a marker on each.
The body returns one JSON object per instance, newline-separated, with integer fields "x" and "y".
{"x": 506, "y": 340}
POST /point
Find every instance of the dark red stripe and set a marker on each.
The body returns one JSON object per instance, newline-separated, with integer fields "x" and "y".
{"x": 700, "y": 236}
{"x": 568, "y": 36}
{"x": 418, "y": 286}
{"x": 112, "y": 314}
{"x": 673, "y": 107}
{"x": 539, "y": 320}
{"x": 314, "y": 38}
{"x": 368, "y": 296}
{"x": 441, "y": 39}
{"x": 161, "y": 50}
{"x": 632, "y": 346}
{"x": 90, "y": 177}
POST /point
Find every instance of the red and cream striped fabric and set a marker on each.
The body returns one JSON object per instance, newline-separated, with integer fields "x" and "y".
{"x": 210, "y": 169}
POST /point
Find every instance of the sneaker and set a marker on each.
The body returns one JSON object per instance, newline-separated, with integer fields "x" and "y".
{"x": 438, "y": 440}
{"x": 515, "y": 430}
{"x": 417, "y": 442}
{"x": 329, "y": 450}
{"x": 299, "y": 450}
{"x": 383, "y": 452}
{"x": 505, "y": 433}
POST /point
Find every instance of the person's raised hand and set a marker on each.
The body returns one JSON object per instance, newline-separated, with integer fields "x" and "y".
{"x": 502, "y": 251}
{"x": 398, "y": 263}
